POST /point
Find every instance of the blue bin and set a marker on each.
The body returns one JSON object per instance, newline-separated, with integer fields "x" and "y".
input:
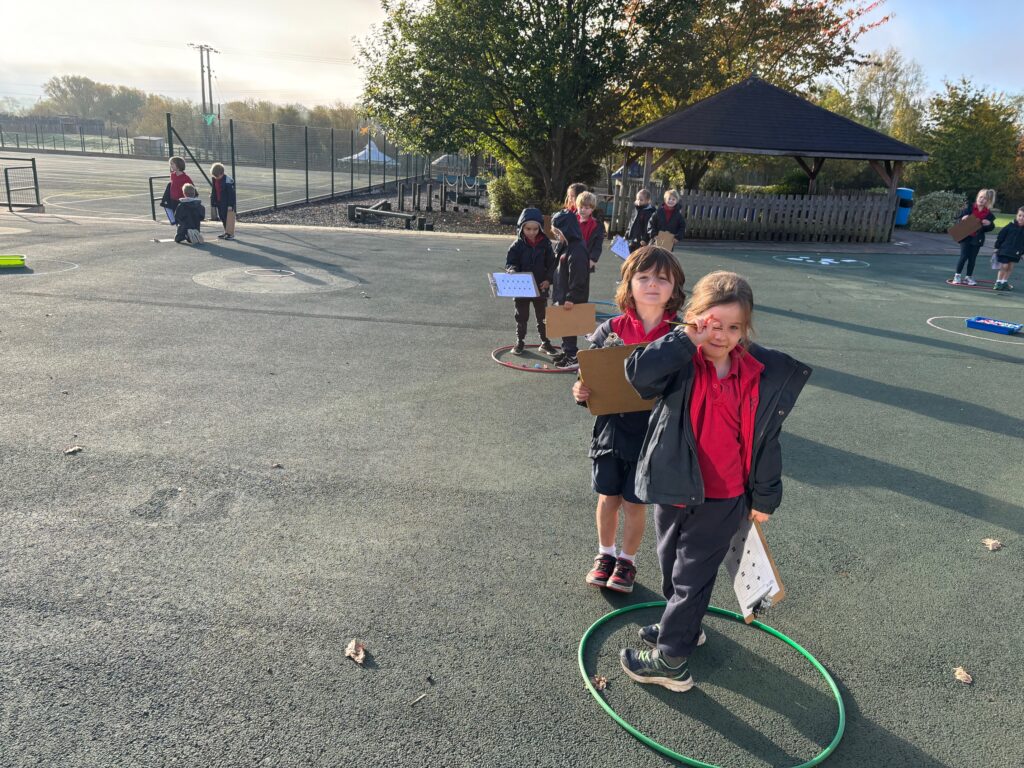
{"x": 904, "y": 202}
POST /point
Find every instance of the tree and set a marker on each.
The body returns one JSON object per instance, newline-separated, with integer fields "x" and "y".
{"x": 75, "y": 95}
{"x": 540, "y": 84}
{"x": 972, "y": 139}
{"x": 788, "y": 44}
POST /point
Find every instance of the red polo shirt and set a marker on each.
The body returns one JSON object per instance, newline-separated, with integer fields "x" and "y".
{"x": 630, "y": 328}
{"x": 178, "y": 180}
{"x": 722, "y": 413}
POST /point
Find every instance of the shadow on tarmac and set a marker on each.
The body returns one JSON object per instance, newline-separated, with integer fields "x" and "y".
{"x": 889, "y": 334}
{"x": 933, "y": 406}
{"x": 822, "y": 465}
{"x": 275, "y": 258}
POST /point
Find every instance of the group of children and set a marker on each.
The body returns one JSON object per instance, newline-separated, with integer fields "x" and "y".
{"x": 1009, "y": 242}
{"x": 181, "y": 200}
{"x": 707, "y": 455}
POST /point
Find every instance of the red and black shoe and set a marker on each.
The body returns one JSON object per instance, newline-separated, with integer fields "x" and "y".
{"x": 604, "y": 565}
{"x": 622, "y": 577}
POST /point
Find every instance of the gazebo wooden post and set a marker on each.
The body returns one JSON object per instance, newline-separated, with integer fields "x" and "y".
{"x": 812, "y": 173}
{"x": 648, "y": 162}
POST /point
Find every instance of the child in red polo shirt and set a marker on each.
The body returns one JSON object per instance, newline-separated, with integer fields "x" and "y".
{"x": 649, "y": 295}
{"x": 711, "y": 457}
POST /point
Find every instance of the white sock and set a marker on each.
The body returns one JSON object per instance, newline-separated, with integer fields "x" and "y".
{"x": 630, "y": 558}
{"x": 606, "y": 550}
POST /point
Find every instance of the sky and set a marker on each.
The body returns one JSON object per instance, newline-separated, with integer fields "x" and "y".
{"x": 303, "y": 51}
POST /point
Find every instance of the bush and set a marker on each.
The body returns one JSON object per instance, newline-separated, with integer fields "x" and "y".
{"x": 935, "y": 212}
{"x": 509, "y": 194}
{"x": 718, "y": 181}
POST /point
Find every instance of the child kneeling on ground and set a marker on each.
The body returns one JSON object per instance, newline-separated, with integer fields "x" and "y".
{"x": 189, "y": 216}
{"x": 711, "y": 457}
{"x": 649, "y": 295}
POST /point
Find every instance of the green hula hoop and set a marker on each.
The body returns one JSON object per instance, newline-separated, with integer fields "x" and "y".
{"x": 735, "y": 617}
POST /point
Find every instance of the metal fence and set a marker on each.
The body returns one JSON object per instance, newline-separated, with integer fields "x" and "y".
{"x": 53, "y": 136}
{"x": 277, "y": 165}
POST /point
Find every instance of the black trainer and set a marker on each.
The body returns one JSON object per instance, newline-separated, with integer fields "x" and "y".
{"x": 518, "y": 348}
{"x": 568, "y": 361}
{"x": 547, "y": 348}
{"x": 649, "y": 667}
{"x": 649, "y": 635}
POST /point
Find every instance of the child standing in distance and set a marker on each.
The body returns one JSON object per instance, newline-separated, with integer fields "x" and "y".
{"x": 189, "y": 217}
{"x": 222, "y": 198}
{"x": 174, "y": 190}
{"x": 649, "y": 295}
{"x": 971, "y": 244}
{"x": 711, "y": 457}
{"x": 532, "y": 252}
{"x": 636, "y": 232}
{"x": 667, "y": 218}
{"x": 1009, "y": 248}
{"x": 571, "y": 193}
{"x": 572, "y": 276}
{"x": 591, "y": 229}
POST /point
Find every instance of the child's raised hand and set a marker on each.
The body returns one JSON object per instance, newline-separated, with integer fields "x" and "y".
{"x": 700, "y": 330}
{"x": 580, "y": 391}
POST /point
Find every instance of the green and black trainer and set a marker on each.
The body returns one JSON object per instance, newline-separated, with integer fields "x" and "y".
{"x": 649, "y": 635}
{"x": 649, "y": 667}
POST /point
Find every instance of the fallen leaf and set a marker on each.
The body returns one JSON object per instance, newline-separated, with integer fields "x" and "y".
{"x": 961, "y": 674}
{"x": 992, "y": 544}
{"x": 356, "y": 651}
{"x": 600, "y": 682}
{"x": 277, "y": 466}
{"x": 73, "y": 450}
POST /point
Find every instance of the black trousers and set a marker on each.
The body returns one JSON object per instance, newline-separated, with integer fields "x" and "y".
{"x": 692, "y": 543}
{"x": 540, "y": 308}
{"x": 968, "y": 253}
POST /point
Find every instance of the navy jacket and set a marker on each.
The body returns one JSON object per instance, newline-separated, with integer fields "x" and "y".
{"x": 668, "y": 471}
{"x": 636, "y": 232}
{"x": 572, "y": 272}
{"x": 538, "y": 259}
{"x": 659, "y": 223}
{"x": 227, "y": 198}
{"x": 1010, "y": 242}
{"x": 978, "y": 238}
{"x": 593, "y": 243}
{"x": 189, "y": 214}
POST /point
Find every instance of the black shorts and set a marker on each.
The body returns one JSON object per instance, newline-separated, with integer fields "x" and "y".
{"x": 1008, "y": 259}
{"x": 612, "y": 476}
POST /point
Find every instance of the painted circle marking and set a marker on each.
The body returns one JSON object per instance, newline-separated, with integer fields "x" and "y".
{"x": 255, "y": 280}
{"x": 33, "y": 264}
{"x": 821, "y": 261}
{"x": 270, "y": 272}
{"x": 982, "y": 336}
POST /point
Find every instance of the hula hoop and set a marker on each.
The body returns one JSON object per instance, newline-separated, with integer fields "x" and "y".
{"x": 646, "y": 740}
{"x": 530, "y": 368}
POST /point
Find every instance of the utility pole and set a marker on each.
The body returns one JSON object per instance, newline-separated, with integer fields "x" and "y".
{"x": 205, "y": 72}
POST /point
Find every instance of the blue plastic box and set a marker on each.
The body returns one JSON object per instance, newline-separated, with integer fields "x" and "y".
{"x": 992, "y": 325}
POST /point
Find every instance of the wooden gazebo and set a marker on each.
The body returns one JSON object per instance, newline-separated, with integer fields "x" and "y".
{"x": 756, "y": 118}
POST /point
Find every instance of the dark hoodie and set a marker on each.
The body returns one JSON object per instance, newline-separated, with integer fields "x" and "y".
{"x": 538, "y": 258}
{"x": 636, "y": 232}
{"x": 188, "y": 215}
{"x": 572, "y": 272}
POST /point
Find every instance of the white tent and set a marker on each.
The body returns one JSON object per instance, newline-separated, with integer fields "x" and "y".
{"x": 370, "y": 152}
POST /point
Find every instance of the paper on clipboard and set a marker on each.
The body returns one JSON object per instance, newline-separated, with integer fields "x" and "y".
{"x": 620, "y": 247}
{"x": 578, "y": 321}
{"x": 516, "y": 285}
{"x": 964, "y": 228}
{"x": 170, "y": 215}
{"x": 755, "y": 579}
{"x": 604, "y": 373}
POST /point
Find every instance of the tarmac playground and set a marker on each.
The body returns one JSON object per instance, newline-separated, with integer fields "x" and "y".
{"x": 273, "y": 464}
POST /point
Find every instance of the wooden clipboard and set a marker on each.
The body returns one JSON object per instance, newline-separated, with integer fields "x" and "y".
{"x": 964, "y": 228}
{"x": 578, "y": 321}
{"x": 665, "y": 240}
{"x": 604, "y": 373}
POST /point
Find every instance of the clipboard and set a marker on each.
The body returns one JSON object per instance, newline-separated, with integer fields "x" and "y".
{"x": 516, "y": 285}
{"x": 665, "y": 240}
{"x": 170, "y": 215}
{"x": 755, "y": 578}
{"x": 620, "y": 247}
{"x": 964, "y": 228}
{"x": 604, "y": 373}
{"x": 548, "y": 230}
{"x": 578, "y": 321}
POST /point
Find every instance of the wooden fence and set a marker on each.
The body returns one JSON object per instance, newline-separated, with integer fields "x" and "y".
{"x": 853, "y": 217}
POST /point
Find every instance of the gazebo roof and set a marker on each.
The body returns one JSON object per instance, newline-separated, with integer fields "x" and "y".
{"x": 757, "y": 118}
